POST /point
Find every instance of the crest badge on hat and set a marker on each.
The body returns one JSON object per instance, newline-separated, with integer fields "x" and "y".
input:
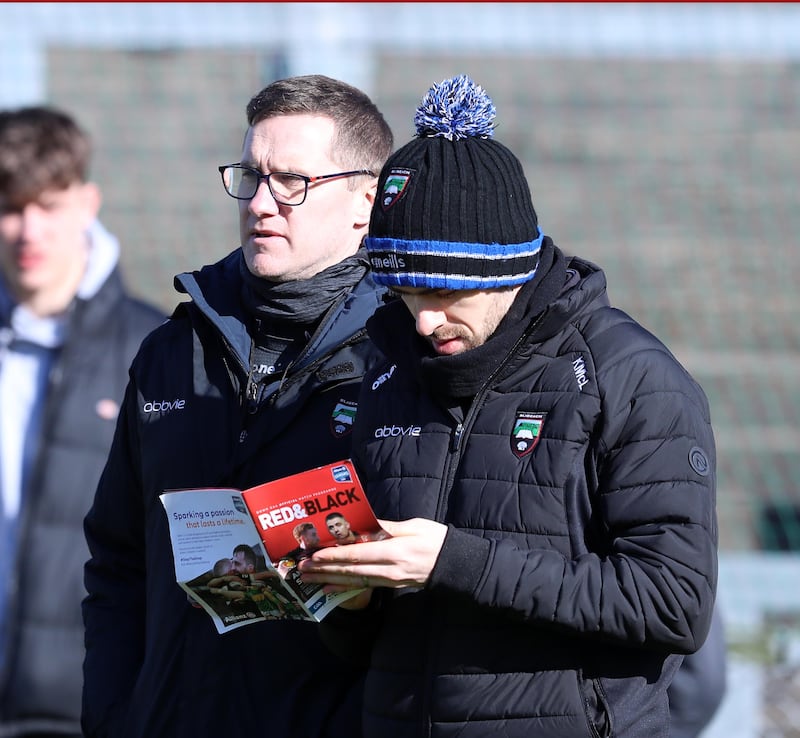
{"x": 455, "y": 208}
{"x": 526, "y": 433}
{"x": 395, "y": 186}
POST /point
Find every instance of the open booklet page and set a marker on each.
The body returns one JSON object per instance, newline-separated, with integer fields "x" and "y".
{"x": 236, "y": 552}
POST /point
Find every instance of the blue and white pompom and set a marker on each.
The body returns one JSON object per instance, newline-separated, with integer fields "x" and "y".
{"x": 455, "y": 109}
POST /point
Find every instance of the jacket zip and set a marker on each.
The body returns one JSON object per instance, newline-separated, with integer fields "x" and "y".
{"x": 253, "y": 395}
{"x": 254, "y": 391}
{"x": 462, "y": 428}
{"x": 286, "y": 383}
{"x": 457, "y": 436}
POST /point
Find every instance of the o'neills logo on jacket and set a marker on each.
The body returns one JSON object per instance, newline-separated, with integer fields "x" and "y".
{"x": 387, "y": 262}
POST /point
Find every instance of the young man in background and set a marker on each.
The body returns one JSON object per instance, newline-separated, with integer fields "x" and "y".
{"x": 68, "y": 332}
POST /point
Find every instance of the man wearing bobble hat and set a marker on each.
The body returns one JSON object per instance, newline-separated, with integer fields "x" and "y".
{"x": 545, "y": 466}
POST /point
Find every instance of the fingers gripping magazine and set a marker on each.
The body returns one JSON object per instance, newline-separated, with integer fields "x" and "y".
{"x": 236, "y": 552}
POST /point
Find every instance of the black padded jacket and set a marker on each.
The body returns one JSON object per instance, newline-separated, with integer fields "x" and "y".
{"x": 40, "y": 685}
{"x": 578, "y": 487}
{"x": 156, "y": 667}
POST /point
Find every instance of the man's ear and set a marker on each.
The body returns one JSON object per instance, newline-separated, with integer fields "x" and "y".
{"x": 366, "y": 201}
{"x": 92, "y": 200}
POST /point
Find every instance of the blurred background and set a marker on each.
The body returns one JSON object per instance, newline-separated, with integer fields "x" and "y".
{"x": 661, "y": 141}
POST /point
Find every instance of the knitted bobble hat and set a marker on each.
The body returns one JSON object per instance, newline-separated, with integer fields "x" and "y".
{"x": 454, "y": 210}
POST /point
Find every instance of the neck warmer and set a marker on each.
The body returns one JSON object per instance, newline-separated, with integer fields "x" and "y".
{"x": 295, "y": 308}
{"x": 462, "y": 375}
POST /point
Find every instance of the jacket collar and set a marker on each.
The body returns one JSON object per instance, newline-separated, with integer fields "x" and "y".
{"x": 215, "y": 291}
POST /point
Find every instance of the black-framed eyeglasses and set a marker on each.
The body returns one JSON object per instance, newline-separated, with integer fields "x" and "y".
{"x": 287, "y": 188}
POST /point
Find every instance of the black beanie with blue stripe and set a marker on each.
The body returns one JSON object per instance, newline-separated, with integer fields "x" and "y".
{"x": 453, "y": 209}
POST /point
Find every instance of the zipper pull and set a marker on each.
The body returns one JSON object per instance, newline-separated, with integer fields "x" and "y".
{"x": 455, "y": 439}
{"x": 251, "y": 395}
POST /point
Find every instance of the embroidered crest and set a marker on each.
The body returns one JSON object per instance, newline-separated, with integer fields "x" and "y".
{"x": 342, "y": 417}
{"x": 526, "y": 433}
{"x": 395, "y": 186}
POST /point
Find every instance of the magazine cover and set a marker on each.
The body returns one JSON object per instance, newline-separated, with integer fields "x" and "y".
{"x": 236, "y": 552}
{"x": 327, "y": 503}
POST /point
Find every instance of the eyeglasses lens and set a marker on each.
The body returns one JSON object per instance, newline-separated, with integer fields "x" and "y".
{"x": 242, "y": 183}
{"x": 290, "y": 189}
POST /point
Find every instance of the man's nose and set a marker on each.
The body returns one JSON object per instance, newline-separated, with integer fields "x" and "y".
{"x": 428, "y": 320}
{"x": 263, "y": 202}
{"x": 30, "y": 222}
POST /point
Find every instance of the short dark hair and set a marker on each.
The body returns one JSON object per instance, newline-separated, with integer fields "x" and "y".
{"x": 41, "y": 148}
{"x": 363, "y": 139}
{"x": 249, "y": 554}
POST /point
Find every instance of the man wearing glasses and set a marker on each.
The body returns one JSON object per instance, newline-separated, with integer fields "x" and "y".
{"x": 240, "y": 387}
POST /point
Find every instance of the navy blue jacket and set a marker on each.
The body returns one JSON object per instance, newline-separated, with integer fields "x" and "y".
{"x": 155, "y": 666}
{"x": 578, "y": 486}
{"x": 40, "y": 685}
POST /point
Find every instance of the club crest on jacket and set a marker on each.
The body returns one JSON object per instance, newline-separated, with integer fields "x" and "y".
{"x": 342, "y": 417}
{"x": 526, "y": 433}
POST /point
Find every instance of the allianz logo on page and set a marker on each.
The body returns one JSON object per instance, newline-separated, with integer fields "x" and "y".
{"x": 391, "y": 431}
{"x": 163, "y": 406}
